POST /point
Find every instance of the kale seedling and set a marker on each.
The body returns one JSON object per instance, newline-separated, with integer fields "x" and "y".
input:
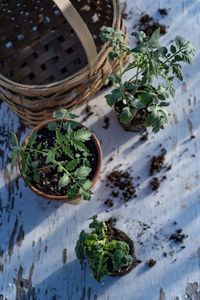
{"x": 149, "y": 61}
{"x": 69, "y": 143}
{"x": 96, "y": 247}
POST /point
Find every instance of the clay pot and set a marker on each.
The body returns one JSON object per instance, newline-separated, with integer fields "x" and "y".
{"x": 64, "y": 198}
{"x": 122, "y": 236}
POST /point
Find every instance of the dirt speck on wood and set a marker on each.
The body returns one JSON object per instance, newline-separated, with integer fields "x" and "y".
{"x": 151, "y": 262}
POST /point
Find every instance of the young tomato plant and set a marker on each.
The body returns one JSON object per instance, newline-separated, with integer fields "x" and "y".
{"x": 66, "y": 155}
{"x": 96, "y": 247}
{"x": 150, "y": 61}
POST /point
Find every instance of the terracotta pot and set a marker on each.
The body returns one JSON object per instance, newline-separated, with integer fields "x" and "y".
{"x": 77, "y": 199}
{"x": 122, "y": 236}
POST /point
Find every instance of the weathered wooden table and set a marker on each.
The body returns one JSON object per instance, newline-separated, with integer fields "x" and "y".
{"x": 37, "y": 237}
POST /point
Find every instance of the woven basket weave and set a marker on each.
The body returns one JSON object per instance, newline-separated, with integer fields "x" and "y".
{"x": 51, "y": 55}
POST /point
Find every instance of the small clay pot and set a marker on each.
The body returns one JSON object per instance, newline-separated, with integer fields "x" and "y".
{"x": 113, "y": 233}
{"x": 64, "y": 198}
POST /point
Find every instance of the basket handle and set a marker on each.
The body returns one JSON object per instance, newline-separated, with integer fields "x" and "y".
{"x": 84, "y": 35}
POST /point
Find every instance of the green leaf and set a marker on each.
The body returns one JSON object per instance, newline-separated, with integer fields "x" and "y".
{"x": 85, "y": 194}
{"x": 36, "y": 176}
{"x": 71, "y": 125}
{"x": 34, "y": 164}
{"x": 70, "y": 166}
{"x": 154, "y": 40}
{"x": 82, "y": 172}
{"x": 64, "y": 180}
{"x": 114, "y": 78}
{"x": 80, "y": 247}
{"x": 14, "y": 140}
{"x": 180, "y": 41}
{"x": 50, "y": 156}
{"x": 141, "y": 36}
{"x": 72, "y": 192}
{"x": 68, "y": 151}
{"x": 114, "y": 97}
{"x": 87, "y": 184}
{"x": 52, "y": 126}
{"x": 137, "y": 104}
{"x": 78, "y": 145}
{"x": 64, "y": 114}
{"x": 173, "y": 49}
{"x": 83, "y": 134}
{"x": 32, "y": 138}
{"x": 14, "y": 157}
{"x": 126, "y": 115}
{"x": 177, "y": 70}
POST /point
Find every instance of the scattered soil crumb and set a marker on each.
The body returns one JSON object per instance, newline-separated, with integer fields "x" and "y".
{"x": 147, "y": 24}
{"x": 107, "y": 122}
{"x": 138, "y": 261}
{"x": 178, "y": 236}
{"x": 157, "y": 162}
{"x": 175, "y": 223}
{"x": 64, "y": 256}
{"x": 144, "y": 137}
{"x": 88, "y": 111}
{"x": 165, "y": 254}
{"x": 155, "y": 184}
{"x": 192, "y": 136}
{"x": 193, "y": 155}
{"x": 151, "y": 262}
{"x": 164, "y": 177}
{"x": 163, "y": 11}
{"x": 111, "y": 221}
{"x": 109, "y": 202}
{"x": 111, "y": 158}
{"x": 122, "y": 181}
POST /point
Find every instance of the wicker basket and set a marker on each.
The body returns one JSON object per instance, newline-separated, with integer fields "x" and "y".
{"x": 51, "y": 55}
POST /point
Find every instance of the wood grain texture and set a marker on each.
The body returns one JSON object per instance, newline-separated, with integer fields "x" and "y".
{"x": 37, "y": 259}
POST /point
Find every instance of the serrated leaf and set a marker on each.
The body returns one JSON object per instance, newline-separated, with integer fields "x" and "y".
{"x": 114, "y": 78}
{"x": 72, "y": 192}
{"x": 180, "y": 41}
{"x": 32, "y": 138}
{"x": 78, "y": 145}
{"x": 83, "y": 134}
{"x": 114, "y": 97}
{"x": 82, "y": 172}
{"x": 52, "y": 126}
{"x": 154, "y": 40}
{"x": 36, "y": 176}
{"x": 70, "y": 166}
{"x": 86, "y": 195}
{"x": 64, "y": 180}
{"x": 39, "y": 146}
{"x": 50, "y": 156}
{"x": 72, "y": 125}
{"x": 68, "y": 151}
{"x": 64, "y": 114}
{"x": 87, "y": 184}
{"x": 177, "y": 70}
{"x": 34, "y": 164}
{"x": 127, "y": 115}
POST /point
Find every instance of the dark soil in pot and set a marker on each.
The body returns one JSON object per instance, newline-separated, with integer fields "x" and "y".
{"x": 113, "y": 233}
{"x": 50, "y": 177}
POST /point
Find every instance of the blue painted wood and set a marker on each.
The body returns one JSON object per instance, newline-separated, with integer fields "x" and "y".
{"x": 36, "y": 236}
